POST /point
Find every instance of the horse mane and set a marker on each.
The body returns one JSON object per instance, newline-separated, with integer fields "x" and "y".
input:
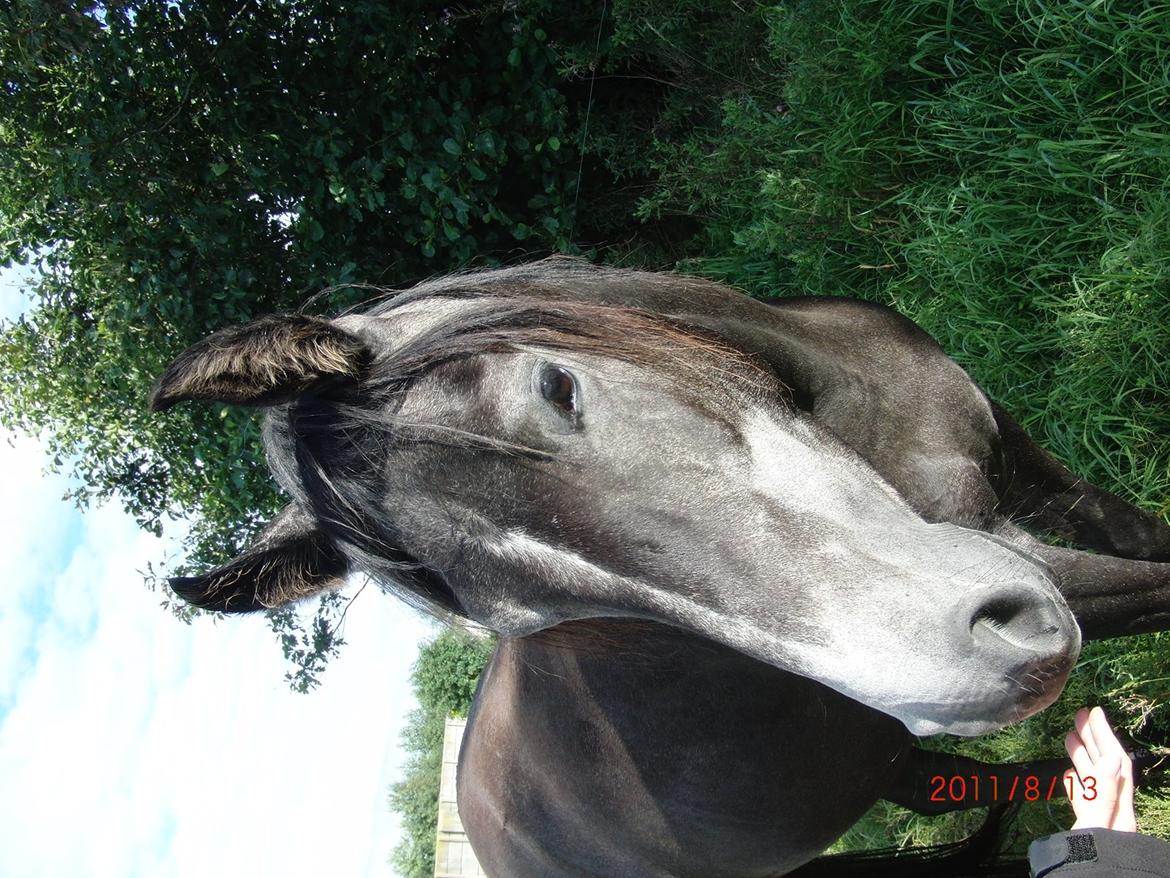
{"x": 569, "y": 304}
{"x": 555, "y": 277}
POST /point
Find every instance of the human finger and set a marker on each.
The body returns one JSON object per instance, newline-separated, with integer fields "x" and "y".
{"x": 1103, "y": 735}
{"x": 1126, "y": 819}
{"x": 1114, "y": 759}
{"x": 1082, "y": 762}
{"x": 1101, "y": 779}
{"x": 1081, "y": 722}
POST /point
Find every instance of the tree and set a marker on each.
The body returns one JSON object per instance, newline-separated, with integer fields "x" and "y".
{"x": 444, "y": 679}
{"x": 177, "y": 166}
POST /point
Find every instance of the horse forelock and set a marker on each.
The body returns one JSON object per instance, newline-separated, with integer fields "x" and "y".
{"x": 312, "y": 452}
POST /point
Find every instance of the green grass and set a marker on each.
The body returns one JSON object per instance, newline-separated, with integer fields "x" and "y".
{"x": 997, "y": 171}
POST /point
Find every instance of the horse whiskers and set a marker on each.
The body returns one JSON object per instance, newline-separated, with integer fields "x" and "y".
{"x": 401, "y": 429}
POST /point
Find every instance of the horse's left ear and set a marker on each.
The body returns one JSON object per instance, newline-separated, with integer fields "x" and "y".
{"x": 290, "y": 560}
{"x": 268, "y": 361}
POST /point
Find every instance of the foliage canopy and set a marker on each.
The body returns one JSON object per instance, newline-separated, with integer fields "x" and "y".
{"x": 175, "y": 167}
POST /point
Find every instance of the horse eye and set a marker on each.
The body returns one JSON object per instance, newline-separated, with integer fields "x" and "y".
{"x": 558, "y": 387}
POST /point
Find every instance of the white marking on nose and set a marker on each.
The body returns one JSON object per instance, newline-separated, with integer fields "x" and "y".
{"x": 812, "y": 474}
{"x": 637, "y": 597}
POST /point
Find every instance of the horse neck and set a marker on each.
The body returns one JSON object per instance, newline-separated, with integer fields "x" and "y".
{"x": 642, "y": 677}
{"x": 628, "y": 733}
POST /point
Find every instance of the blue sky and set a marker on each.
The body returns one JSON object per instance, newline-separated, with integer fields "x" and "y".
{"x": 134, "y": 745}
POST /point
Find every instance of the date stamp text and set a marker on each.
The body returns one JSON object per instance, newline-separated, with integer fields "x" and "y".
{"x": 1009, "y": 788}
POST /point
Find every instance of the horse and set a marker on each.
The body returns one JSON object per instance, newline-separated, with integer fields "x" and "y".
{"x": 738, "y": 552}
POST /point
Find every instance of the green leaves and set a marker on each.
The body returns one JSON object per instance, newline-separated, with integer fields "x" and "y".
{"x": 486, "y": 143}
{"x": 448, "y": 669}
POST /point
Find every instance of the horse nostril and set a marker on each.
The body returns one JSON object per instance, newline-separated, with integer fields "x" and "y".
{"x": 1017, "y": 618}
{"x": 998, "y": 613}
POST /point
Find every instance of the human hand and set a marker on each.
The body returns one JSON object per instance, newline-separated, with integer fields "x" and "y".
{"x": 1100, "y": 785}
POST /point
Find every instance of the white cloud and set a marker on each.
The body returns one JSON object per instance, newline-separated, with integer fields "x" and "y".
{"x": 135, "y": 745}
{"x": 34, "y": 522}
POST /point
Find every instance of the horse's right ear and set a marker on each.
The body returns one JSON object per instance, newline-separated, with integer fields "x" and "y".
{"x": 290, "y": 560}
{"x": 264, "y": 362}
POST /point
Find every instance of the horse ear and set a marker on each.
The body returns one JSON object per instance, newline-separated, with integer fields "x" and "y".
{"x": 264, "y": 362}
{"x": 290, "y": 560}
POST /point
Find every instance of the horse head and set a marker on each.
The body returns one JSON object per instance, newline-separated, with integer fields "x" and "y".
{"x": 522, "y": 458}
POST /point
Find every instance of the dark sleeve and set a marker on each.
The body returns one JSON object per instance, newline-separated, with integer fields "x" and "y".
{"x": 1099, "y": 853}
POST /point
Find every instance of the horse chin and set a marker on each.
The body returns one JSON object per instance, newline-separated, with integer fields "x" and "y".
{"x": 971, "y": 719}
{"x": 969, "y": 727}
{"x": 924, "y": 728}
